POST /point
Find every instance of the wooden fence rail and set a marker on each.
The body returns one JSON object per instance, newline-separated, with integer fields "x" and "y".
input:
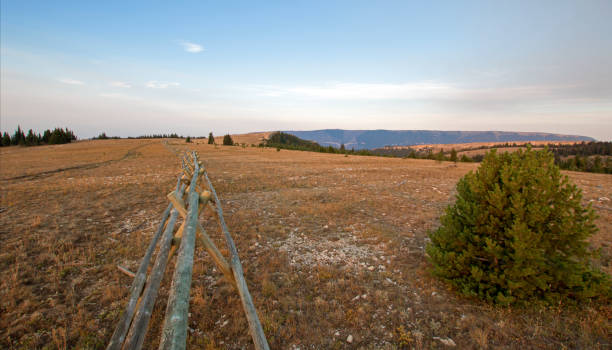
{"x": 131, "y": 330}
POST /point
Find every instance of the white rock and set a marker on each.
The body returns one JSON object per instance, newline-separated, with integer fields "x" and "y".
{"x": 349, "y": 339}
{"x": 446, "y": 341}
{"x": 337, "y": 334}
{"x": 371, "y": 268}
{"x": 604, "y": 199}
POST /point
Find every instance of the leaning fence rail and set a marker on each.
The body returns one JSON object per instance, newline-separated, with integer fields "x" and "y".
{"x": 131, "y": 330}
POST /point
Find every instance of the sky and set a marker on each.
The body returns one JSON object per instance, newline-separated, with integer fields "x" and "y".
{"x": 130, "y": 68}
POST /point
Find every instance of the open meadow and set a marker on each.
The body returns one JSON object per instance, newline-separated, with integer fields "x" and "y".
{"x": 472, "y": 149}
{"x": 332, "y": 247}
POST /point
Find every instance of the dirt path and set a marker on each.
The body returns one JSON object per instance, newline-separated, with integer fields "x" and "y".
{"x": 130, "y": 153}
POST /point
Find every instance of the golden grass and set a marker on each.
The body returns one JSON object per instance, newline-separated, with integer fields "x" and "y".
{"x": 464, "y": 146}
{"x": 332, "y": 246}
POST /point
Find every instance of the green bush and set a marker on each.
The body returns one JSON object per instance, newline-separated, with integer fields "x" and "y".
{"x": 516, "y": 233}
{"x": 227, "y": 140}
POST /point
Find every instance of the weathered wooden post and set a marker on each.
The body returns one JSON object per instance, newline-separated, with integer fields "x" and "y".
{"x": 257, "y": 333}
{"x": 174, "y": 334}
{"x": 140, "y": 323}
{"x": 138, "y": 284}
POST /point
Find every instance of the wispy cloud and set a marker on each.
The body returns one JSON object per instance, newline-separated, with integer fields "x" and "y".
{"x": 361, "y": 90}
{"x": 70, "y": 81}
{"x": 191, "y": 47}
{"x": 120, "y": 84}
{"x": 154, "y": 84}
{"x": 415, "y": 91}
{"x": 119, "y": 96}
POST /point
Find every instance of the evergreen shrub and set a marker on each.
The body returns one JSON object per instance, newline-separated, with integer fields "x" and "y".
{"x": 227, "y": 140}
{"x": 518, "y": 233}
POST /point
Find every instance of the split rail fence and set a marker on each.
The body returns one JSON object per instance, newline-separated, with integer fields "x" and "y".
{"x": 188, "y": 200}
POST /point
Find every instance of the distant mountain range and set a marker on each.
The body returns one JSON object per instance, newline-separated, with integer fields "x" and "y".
{"x": 370, "y": 139}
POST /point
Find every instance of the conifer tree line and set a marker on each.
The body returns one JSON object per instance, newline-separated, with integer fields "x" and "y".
{"x": 103, "y": 136}
{"x": 594, "y": 156}
{"x": 48, "y": 137}
{"x": 281, "y": 140}
{"x": 157, "y": 136}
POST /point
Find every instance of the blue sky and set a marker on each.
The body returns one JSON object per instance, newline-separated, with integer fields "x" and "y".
{"x": 130, "y": 68}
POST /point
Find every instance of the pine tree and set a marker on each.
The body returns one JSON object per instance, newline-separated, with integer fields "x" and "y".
{"x": 18, "y": 138}
{"x": 211, "y": 139}
{"x": 6, "y": 139}
{"x": 30, "y": 139}
{"x": 518, "y": 232}
{"x": 466, "y": 159}
{"x": 453, "y": 156}
{"x": 46, "y": 136}
{"x": 342, "y": 149}
{"x": 227, "y": 140}
{"x": 597, "y": 165}
{"x": 70, "y": 136}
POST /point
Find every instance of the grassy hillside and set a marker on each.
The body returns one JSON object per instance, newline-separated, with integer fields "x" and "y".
{"x": 332, "y": 246}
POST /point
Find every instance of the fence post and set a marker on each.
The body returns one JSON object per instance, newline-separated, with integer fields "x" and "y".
{"x": 138, "y": 330}
{"x": 257, "y": 333}
{"x": 137, "y": 285}
{"x": 174, "y": 334}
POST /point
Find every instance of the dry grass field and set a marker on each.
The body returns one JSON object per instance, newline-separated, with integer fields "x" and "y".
{"x": 479, "y": 148}
{"x": 332, "y": 247}
{"x": 460, "y": 147}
